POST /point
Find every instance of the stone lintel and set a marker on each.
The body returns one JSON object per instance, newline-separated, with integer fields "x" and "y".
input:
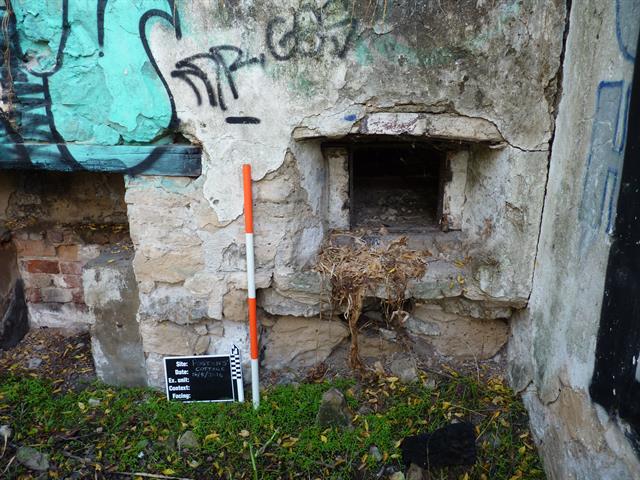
{"x": 436, "y": 126}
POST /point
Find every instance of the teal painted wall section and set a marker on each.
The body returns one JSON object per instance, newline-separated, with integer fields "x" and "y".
{"x": 82, "y": 72}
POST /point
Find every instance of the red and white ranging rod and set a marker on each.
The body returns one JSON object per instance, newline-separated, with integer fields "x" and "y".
{"x": 251, "y": 284}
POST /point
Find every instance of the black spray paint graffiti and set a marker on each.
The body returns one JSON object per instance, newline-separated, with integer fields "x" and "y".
{"x": 309, "y": 30}
{"x": 225, "y": 67}
{"x": 310, "y": 33}
{"x": 42, "y": 128}
{"x": 616, "y": 375}
{"x": 615, "y": 384}
{"x": 30, "y": 128}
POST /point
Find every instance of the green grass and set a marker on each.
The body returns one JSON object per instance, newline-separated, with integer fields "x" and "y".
{"x": 134, "y": 430}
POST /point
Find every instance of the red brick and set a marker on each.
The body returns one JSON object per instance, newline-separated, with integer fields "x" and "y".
{"x": 34, "y": 295}
{"x": 67, "y": 252}
{"x": 73, "y": 268}
{"x": 72, "y": 281}
{"x": 35, "y": 248}
{"x": 78, "y": 295}
{"x": 41, "y": 266}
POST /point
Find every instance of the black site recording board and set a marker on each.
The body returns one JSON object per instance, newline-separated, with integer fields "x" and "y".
{"x": 204, "y": 378}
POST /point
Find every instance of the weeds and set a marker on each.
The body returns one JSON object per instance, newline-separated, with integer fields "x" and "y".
{"x": 104, "y": 430}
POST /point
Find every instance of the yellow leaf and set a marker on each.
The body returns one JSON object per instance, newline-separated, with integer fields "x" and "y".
{"x": 290, "y": 442}
{"x": 522, "y": 450}
{"x": 212, "y": 437}
{"x": 244, "y": 433}
{"x": 168, "y": 471}
{"x": 323, "y": 439}
{"x": 81, "y": 406}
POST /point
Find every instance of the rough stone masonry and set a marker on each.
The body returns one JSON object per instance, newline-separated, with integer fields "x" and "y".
{"x": 294, "y": 88}
{"x": 176, "y": 95}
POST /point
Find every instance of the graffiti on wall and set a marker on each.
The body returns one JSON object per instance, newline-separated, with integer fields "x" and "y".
{"x": 310, "y": 32}
{"x": 63, "y": 87}
{"x": 83, "y": 91}
{"x": 608, "y": 138}
{"x": 615, "y": 384}
{"x": 225, "y": 61}
{"x": 608, "y": 135}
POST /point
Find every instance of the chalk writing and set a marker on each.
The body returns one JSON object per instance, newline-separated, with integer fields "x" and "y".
{"x": 204, "y": 378}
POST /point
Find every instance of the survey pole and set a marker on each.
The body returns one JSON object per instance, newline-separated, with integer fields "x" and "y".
{"x": 251, "y": 284}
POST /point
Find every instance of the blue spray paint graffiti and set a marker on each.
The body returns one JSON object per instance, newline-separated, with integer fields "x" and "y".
{"x": 608, "y": 138}
{"x": 608, "y": 135}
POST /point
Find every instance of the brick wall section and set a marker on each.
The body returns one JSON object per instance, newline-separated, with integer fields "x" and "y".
{"x": 51, "y": 260}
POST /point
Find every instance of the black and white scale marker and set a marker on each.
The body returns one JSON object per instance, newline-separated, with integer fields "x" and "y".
{"x": 204, "y": 378}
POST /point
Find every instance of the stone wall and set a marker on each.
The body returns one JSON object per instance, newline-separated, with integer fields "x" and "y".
{"x": 372, "y": 75}
{"x": 291, "y": 87}
{"x": 553, "y": 344}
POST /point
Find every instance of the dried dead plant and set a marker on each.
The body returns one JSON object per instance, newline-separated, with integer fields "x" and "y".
{"x": 354, "y": 269}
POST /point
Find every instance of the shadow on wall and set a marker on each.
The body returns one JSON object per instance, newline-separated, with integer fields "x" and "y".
{"x": 14, "y": 321}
